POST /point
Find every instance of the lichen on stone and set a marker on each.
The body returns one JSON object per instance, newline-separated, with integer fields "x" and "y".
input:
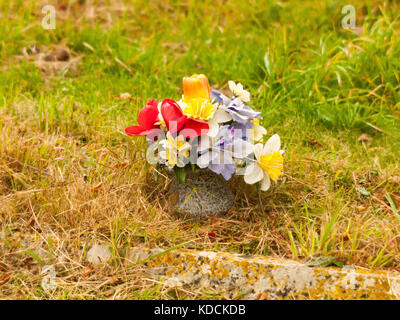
{"x": 276, "y": 278}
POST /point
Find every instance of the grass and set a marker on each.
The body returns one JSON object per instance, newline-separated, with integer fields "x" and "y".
{"x": 69, "y": 177}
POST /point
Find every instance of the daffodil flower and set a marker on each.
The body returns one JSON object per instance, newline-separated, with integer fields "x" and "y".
{"x": 176, "y": 151}
{"x": 239, "y": 92}
{"x": 197, "y": 108}
{"x": 268, "y": 164}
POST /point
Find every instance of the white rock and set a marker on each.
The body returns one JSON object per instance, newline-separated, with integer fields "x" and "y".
{"x": 98, "y": 254}
{"x": 125, "y": 96}
{"x": 173, "y": 282}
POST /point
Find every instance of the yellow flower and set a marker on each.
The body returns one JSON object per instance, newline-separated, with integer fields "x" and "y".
{"x": 196, "y": 86}
{"x": 198, "y": 108}
{"x": 272, "y": 164}
{"x": 196, "y": 102}
{"x": 176, "y": 151}
{"x": 268, "y": 165}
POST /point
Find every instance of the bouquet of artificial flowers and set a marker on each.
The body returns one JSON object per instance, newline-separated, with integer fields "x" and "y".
{"x": 210, "y": 130}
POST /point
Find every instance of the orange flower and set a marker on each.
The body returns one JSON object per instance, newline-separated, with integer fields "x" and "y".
{"x": 196, "y": 86}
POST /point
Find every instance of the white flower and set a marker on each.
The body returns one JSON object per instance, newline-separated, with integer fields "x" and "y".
{"x": 220, "y": 116}
{"x": 268, "y": 165}
{"x": 256, "y": 132}
{"x": 239, "y": 92}
{"x": 176, "y": 151}
{"x": 160, "y": 117}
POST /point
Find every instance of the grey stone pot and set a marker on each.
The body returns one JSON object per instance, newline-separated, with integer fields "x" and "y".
{"x": 204, "y": 193}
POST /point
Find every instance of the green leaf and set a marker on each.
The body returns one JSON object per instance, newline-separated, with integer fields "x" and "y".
{"x": 363, "y": 191}
{"x": 35, "y": 256}
{"x": 180, "y": 174}
{"x": 393, "y": 206}
{"x": 267, "y": 63}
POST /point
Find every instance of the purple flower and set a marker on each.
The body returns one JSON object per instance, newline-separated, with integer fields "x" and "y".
{"x": 224, "y": 168}
{"x": 218, "y": 161}
{"x": 218, "y": 153}
{"x": 239, "y": 112}
{"x": 214, "y": 153}
{"x": 219, "y": 97}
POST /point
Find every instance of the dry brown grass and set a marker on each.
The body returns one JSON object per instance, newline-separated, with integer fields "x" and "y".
{"x": 61, "y": 194}
{"x": 54, "y": 205}
{"x": 67, "y": 183}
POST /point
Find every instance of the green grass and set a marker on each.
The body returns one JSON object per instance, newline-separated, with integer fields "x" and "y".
{"x": 65, "y": 161}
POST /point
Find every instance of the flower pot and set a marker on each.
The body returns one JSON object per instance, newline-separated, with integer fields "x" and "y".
{"x": 204, "y": 193}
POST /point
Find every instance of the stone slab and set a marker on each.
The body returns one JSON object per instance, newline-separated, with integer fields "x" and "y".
{"x": 249, "y": 277}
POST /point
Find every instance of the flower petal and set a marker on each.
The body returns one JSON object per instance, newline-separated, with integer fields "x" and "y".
{"x": 213, "y": 128}
{"x": 172, "y": 115}
{"x": 204, "y": 160}
{"x": 196, "y": 86}
{"x": 135, "y": 131}
{"x": 273, "y": 144}
{"x": 226, "y": 170}
{"x": 253, "y": 173}
{"x": 148, "y": 115}
{"x": 256, "y": 133}
{"x": 219, "y": 97}
{"x": 258, "y": 150}
{"x": 204, "y": 144}
{"x": 221, "y": 116}
{"x": 194, "y": 128}
{"x": 154, "y": 134}
{"x": 265, "y": 182}
{"x": 241, "y": 148}
{"x": 232, "y": 86}
{"x": 163, "y": 155}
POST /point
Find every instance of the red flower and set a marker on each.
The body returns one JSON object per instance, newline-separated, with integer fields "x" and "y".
{"x": 176, "y": 121}
{"x": 147, "y": 118}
